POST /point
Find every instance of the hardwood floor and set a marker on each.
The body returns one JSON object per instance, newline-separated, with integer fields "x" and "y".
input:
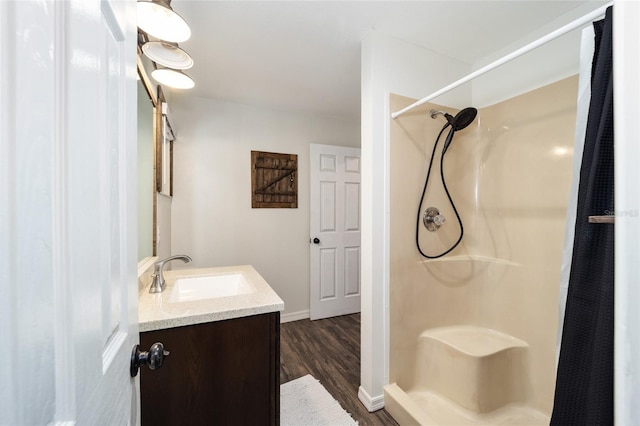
{"x": 329, "y": 350}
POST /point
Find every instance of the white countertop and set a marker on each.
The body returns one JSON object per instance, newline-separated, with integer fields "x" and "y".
{"x": 156, "y": 313}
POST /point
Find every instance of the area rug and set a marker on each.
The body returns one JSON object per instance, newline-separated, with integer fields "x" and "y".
{"x": 305, "y": 402}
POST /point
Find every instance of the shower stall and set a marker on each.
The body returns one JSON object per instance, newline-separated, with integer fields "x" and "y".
{"x": 472, "y": 334}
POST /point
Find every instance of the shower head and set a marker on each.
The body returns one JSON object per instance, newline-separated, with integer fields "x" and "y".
{"x": 460, "y": 121}
{"x": 463, "y": 118}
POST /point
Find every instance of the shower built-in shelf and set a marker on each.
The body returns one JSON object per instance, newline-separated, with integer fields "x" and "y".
{"x": 466, "y": 375}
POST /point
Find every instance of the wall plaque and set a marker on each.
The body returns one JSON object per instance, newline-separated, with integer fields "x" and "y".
{"x": 274, "y": 180}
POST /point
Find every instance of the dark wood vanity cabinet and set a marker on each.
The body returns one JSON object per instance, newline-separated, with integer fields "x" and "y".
{"x": 218, "y": 373}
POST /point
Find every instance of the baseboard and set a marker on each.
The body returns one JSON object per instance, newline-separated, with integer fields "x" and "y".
{"x": 294, "y": 316}
{"x": 371, "y": 404}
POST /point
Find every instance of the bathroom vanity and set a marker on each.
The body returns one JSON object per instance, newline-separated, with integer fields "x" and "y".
{"x": 224, "y": 345}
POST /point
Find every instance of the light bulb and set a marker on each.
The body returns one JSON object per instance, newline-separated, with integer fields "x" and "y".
{"x": 172, "y": 78}
{"x": 157, "y": 19}
{"x": 167, "y": 54}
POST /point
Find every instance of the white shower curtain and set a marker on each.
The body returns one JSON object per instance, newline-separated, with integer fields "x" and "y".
{"x": 587, "y": 47}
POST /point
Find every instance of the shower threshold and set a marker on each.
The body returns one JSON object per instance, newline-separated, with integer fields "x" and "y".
{"x": 427, "y": 408}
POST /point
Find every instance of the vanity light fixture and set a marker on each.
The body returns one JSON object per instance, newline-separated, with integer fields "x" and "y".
{"x": 172, "y": 78}
{"x": 167, "y": 54}
{"x": 157, "y": 19}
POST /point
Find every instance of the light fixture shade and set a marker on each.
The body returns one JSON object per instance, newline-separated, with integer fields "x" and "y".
{"x": 167, "y": 54}
{"x": 172, "y": 78}
{"x": 157, "y": 19}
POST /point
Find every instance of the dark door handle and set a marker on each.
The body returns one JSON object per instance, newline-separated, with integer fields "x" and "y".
{"x": 316, "y": 241}
{"x": 154, "y": 358}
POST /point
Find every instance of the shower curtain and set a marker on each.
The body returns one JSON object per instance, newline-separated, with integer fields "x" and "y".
{"x": 584, "y": 384}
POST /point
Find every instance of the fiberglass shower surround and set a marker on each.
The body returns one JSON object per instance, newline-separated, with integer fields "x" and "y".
{"x": 432, "y": 219}
{"x": 472, "y": 333}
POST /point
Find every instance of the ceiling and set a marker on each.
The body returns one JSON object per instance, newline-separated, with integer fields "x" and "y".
{"x": 305, "y": 55}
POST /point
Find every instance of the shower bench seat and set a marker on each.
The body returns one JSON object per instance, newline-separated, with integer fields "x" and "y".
{"x": 466, "y": 375}
{"x": 449, "y": 356}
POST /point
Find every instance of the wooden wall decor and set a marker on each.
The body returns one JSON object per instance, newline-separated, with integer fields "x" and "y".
{"x": 274, "y": 180}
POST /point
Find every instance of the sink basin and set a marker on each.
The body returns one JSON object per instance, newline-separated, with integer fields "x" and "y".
{"x": 188, "y": 289}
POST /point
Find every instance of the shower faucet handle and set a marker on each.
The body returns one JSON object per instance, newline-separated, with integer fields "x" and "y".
{"x": 432, "y": 219}
{"x": 439, "y": 220}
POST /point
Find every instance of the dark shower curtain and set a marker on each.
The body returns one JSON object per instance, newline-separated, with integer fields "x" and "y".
{"x": 584, "y": 384}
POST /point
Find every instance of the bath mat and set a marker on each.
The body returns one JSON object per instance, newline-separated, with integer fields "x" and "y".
{"x": 305, "y": 402}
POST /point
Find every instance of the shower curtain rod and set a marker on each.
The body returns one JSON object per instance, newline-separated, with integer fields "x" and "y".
{"x": 511, "y": 56}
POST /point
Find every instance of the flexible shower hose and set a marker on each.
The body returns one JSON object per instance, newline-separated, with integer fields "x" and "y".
{"x": 446, "y": 190}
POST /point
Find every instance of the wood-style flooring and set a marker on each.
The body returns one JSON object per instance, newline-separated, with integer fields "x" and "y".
{"x": 329, "y": 350}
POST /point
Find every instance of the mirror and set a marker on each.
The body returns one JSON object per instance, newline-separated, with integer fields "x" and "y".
{"x": 155, "y": 166}
{"x": 145, "y": 173}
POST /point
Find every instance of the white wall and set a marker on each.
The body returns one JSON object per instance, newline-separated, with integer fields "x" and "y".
{"x": 547, "y": 64}
{"x": 626, "y": 66}
{"x": 163, "y": 228}
{"x": 388, "y": 65}
{"x": 212, "y": 218}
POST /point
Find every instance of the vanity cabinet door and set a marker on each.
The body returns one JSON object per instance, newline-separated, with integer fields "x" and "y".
{"x": 218, "y": 373}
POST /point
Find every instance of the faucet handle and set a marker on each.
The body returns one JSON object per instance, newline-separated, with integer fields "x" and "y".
{"x": 432, "y": 219}
{"x": 157, "y": 279}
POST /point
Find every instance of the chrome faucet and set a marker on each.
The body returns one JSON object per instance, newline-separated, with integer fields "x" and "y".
{"x": 157, "y": 279}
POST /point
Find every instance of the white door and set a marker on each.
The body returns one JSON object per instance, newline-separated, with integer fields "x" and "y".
{"x": 335, "y": 230}
{"x": 68, "y": 295}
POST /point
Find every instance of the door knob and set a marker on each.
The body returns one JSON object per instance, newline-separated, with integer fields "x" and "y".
{"x": 153, "y": 358}
{"x": 316, "y": 241}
